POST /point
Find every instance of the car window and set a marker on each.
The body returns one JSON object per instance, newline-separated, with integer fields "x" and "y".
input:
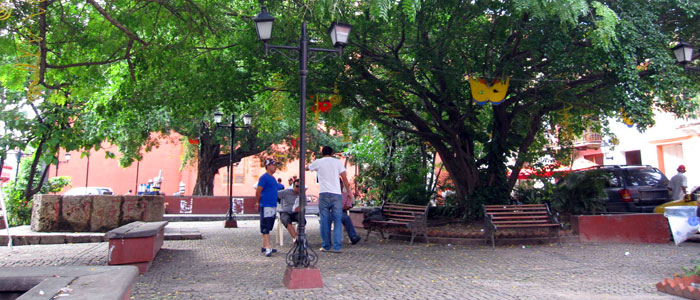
{"x": 613, "y": 180}
{"x": 644, "y": 176}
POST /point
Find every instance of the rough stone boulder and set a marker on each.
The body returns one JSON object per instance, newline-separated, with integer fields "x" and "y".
{"x": 94, "y": 213}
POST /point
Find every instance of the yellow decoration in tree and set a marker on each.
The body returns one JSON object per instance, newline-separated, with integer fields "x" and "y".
{"x": 483, "y": 92}
{"x": 626, "y": 119}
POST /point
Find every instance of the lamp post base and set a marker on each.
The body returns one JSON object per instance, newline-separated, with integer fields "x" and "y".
{"x": 231, "y": 223}
{"x": 302, "y": 278}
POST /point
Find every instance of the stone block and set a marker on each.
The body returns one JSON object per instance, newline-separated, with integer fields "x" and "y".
{"x": 76, "y": 239}
{"x": 132, "y": 209}
{"x": 46, "y": 212}
{"x": 105, "y": 213}
{"x": 75, "y": 213}
{"x": 52, "y": 239}
{"x": 25, "y": 240}
{"x": 152, "y": 208}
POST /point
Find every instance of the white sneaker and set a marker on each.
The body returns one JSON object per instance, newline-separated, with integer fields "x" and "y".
{"x": 268, "y": 252}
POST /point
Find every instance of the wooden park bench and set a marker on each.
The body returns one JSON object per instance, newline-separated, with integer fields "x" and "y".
{"x": 520, "y": 217}
{"x": 136, "y": 243}
{"x": 413, "y": 217}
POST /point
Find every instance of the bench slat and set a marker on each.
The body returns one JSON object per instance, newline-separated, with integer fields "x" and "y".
{"x": 516, "y": 208}
{"x": 527, "y": 225}
{"x": 401, "y": 211}
{"x": 519, "y": 213}
{"x": 515, "y": 205}
{"x": 519, "y": 217}
{"x": 403, "y": 208}
{"x": 520, "y": 221}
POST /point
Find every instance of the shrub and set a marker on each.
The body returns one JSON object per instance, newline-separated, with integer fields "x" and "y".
{"x": 19, "y": 207}
{"x": 581, "y": 193}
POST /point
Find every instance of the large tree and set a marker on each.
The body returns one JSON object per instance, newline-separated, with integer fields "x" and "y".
{"x": 117, "y": 71}
{"x": 570, "y": 64}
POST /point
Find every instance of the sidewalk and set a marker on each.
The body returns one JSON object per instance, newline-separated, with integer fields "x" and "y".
{"x": 227, "y": 264}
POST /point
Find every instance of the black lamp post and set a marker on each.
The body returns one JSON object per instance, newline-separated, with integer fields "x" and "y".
{"x": 230, "y": 218}
{"x": 59, "y": 161}
{"x": 684, "y": 55}
{"x": 299, "y": 256}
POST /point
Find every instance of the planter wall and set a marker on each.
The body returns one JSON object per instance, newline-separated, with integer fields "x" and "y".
{"x": 627, "y": 228}
{"x": 57, "y": 213}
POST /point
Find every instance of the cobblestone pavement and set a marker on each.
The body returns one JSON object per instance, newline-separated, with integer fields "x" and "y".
{"x": 227, "y": 264}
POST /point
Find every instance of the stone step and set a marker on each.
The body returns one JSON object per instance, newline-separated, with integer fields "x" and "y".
{"x": 22, "y": 235}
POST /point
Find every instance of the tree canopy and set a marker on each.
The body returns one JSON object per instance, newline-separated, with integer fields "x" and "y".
{"x": 570, "y": 64}
{"x": 119, "y": 70}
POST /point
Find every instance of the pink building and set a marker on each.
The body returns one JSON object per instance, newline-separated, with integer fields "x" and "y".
{"x": 167, "y": 158}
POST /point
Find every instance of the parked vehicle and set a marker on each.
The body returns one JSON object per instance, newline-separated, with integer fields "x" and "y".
{"x": 633, "y": 188}
{"x": 312, "y": 205}
{"x": 91, "y": 190}
{"x": 689, "y": 200}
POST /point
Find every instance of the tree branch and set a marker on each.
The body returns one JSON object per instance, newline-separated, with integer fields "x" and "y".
{"x": 116, "y": 23}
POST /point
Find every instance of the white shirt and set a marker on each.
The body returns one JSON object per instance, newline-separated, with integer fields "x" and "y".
{"x": 328, "y": 170}
{"x": 677, "y": 182}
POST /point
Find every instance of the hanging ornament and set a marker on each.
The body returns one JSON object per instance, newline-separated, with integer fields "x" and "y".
{"x": 193, "y": 141}
{"x": 626, "y": 120}
{"x": 335, "y": 99}
{"x": 294, "y": 142}
{"x": 483, "y": 92}
{"x": 324, "y": 106}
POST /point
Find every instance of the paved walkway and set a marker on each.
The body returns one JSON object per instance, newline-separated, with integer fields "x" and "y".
{"x": 227, "y": 264}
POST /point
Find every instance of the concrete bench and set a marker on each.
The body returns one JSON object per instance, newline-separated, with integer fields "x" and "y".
{"x": 136, "y": 243}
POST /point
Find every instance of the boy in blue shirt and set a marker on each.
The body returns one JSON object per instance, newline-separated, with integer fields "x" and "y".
{"x": 266, "y": 195}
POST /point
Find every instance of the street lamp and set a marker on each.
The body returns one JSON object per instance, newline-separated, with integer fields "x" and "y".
{"x": 299, "y": 257}
{"x": 59, "y": 161}
{"x": 230, "y": 218}
{"x": 684, "y": 55}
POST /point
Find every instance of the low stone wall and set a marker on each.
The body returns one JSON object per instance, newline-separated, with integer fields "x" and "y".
{"x": 210, "y": 205}
{"x": 55, "y": 213}
{"x": 623, "y": 228}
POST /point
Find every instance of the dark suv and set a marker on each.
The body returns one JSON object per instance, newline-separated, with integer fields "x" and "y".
{"x": 634, "y": 188}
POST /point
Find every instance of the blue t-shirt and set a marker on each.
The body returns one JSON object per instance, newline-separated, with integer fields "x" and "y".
{"x": 268, "y": 196}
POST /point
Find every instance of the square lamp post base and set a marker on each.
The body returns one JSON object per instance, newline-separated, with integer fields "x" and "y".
{"x": 231, "y": 223}
{"x": 302, "y": 278}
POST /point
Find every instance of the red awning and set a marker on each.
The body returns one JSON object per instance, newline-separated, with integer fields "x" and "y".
{"x": 544, "y": 172}
{"x": 6, "y": 173}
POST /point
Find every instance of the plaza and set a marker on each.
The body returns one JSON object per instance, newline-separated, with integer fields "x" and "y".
{"x": 227, "y": 264}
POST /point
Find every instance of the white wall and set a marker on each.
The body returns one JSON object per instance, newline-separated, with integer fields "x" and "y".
{"x": 680, "y": 140}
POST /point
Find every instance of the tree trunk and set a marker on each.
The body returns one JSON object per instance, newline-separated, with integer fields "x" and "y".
{"x": 206, "y": 166}
{"x": 211, "y": 159}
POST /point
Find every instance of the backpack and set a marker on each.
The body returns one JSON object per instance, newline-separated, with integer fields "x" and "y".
{"x": 375, "y": 214}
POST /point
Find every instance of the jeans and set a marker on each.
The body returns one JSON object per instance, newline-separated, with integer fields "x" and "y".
{"x": 326, "y": 203}
{"x": 349, "y": 228}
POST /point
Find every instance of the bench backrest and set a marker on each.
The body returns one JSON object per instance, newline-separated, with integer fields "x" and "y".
{"x": 400, "y": 212}
{"x": 518, "y": 214}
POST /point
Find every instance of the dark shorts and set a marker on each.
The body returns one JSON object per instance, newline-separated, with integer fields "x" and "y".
{"x": 288, "y": 218}
{"x": 267, "y": 219}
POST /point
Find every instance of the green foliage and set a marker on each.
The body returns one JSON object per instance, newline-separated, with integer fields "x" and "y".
{"x": 528, "y": 194}
{"x": 581, "y": 193}
{"x": 393, "y": 167}
{"x": 19, "y": 208}
{"x": 694, "y": 270}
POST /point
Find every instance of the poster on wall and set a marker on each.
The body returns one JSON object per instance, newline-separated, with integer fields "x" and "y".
{"x": 237, "y": 204}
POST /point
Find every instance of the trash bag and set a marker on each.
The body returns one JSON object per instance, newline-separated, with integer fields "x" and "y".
{"x": 683, "y": 221}
{"x": 375, "y": 214}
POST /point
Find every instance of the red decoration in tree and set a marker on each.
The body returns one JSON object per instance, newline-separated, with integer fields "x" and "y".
{"x": 325, "y": 106}
{"x": 194, "y": 141}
